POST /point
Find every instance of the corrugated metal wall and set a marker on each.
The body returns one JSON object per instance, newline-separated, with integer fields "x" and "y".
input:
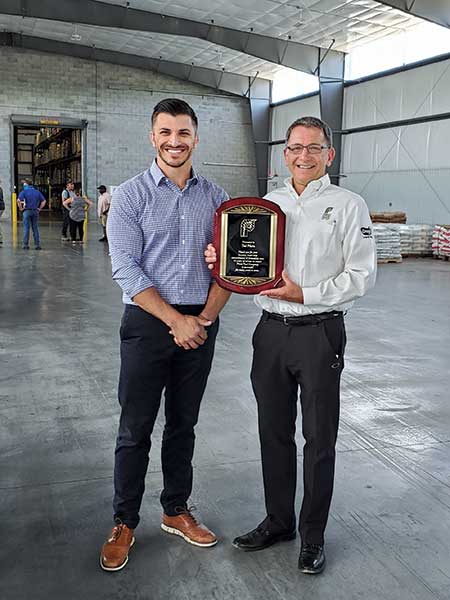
{"x": 406, "y": 168}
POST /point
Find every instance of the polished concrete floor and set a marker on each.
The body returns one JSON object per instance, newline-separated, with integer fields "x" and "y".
{"x": 388, "y": 535}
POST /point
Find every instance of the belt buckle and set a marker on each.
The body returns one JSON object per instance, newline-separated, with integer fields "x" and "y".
{"x": 285, "y": 319}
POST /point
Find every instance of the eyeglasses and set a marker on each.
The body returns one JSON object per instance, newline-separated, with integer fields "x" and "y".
{"x": 310, "y": 149}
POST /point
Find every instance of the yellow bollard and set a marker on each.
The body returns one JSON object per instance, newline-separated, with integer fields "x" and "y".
{"x": 85, "y": 225}
{"x": 14, "y": 208}
{"x": 14, "y": 218}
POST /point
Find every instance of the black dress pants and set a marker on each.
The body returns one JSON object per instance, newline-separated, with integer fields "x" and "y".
{"x": 151, "y": 362}
{"x": 285, "y": 357}
{"x": 76, "y": 227}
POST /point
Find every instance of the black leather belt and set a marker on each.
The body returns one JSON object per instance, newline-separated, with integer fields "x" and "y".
{"x": 305, "y": 319}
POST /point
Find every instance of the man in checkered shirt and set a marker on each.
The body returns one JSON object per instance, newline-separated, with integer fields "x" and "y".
{"x": 158, "y": 226}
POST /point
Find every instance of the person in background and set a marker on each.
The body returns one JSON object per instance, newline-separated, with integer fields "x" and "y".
{"x": 65, "y": 195}
{"x": 30, "y": 202}
{"x": 104, "y": 202}
{"x": 2, "y": 208}
{"x": 77, "y": 206}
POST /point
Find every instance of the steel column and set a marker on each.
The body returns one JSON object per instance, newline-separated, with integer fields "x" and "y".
{"x": 259, "y": 97}
{"x": 331, "y": 95}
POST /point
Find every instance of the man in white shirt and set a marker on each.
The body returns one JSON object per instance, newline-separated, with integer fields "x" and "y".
{"x": 330, "y": 260}
{"x": 104, "y": 202}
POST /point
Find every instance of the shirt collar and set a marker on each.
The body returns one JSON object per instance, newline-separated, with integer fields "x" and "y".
{"x": 314, "y": 187}
{"x": 159, "y": 176}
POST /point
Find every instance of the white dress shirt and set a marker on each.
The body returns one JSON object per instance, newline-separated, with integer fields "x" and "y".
{"x": 329, "y": 247}
{"x": 104, "y": 202}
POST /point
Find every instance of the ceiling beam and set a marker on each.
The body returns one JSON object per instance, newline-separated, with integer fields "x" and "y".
{"x": 301, "y": 57}
{"x": 239, "y": 85}
{"x": 436, "y": 11}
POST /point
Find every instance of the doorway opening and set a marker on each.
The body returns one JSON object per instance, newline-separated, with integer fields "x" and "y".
{"x": 50, "y": 157}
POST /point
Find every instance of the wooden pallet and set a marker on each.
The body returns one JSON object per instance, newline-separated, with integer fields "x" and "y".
{"x": 441, "y": 257}
{"x": 384, "y": 261}
{"x": 416, "y": 255}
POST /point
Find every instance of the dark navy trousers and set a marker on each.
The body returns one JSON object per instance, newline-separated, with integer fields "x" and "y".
{"x": 150, "y": 363}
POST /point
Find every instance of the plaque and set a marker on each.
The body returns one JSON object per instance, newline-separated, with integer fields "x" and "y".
{"x": 249, "y": 243}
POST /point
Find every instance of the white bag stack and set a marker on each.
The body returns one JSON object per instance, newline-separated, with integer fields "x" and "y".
{"x": 387, "y": 242}
{"x": 415, "y": 239}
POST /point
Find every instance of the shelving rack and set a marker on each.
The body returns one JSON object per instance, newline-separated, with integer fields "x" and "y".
{"x": 57, "y": 159}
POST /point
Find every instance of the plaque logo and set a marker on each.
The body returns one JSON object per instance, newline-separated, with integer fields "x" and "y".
{"x": 247, "y": 225}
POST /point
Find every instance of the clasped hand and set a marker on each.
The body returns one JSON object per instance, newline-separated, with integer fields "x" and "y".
{"x": 189, "y": 331}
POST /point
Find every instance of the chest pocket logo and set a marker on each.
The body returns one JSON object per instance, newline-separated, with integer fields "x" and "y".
{"x": 327, "y": 213}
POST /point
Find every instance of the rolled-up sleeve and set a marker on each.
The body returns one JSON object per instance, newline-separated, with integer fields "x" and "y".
{"x": 125, "y": 238}
{"x": 360, "y": 264}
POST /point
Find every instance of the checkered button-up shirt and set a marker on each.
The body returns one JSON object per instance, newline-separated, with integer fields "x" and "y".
{"x": 157, "y": 234}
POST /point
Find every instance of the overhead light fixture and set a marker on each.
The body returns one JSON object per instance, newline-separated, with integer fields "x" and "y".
{"x": 75, "y": 37}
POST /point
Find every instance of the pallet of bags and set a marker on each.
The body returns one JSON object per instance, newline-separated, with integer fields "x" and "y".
{"x": 387, "y": 242}
{"x": 415, "y": 240}
{"x": 441, "y": 241}
{"x": 404, "y": 232}
{"x": 422, "y": 236}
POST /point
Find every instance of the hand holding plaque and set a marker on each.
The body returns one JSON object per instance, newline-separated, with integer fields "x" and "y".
{"x": 249, "y": 242}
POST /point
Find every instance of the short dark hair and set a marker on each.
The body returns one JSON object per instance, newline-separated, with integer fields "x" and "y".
{"x": 174, "y": 107}
{"x": 312, "y": 122}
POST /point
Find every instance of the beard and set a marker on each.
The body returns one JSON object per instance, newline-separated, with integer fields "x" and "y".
{"x": 174, "y": 165}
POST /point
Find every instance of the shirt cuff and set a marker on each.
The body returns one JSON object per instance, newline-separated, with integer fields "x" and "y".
{"x": 140, "y": 286}
{"x": 312, "y": 295}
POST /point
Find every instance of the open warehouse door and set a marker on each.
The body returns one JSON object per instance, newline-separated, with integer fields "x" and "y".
{"x": 49, "y": 152}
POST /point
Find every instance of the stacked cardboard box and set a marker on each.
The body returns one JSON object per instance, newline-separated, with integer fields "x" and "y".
{"x": 76, "y": 141}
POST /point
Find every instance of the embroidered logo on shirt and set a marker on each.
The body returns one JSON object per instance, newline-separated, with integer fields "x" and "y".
{"x": 327, "y": 213}
{"x": 366, "y": 232}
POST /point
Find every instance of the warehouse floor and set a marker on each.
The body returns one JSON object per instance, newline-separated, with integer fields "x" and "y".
{"x": 388, "y": 531}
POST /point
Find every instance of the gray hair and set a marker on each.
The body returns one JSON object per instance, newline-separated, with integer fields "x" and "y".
{"x": 312, "y": 122}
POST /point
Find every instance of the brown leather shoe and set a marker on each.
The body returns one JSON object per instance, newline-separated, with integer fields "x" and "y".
{"x": 186, "y": 526}
{"x": 115, "y": 550}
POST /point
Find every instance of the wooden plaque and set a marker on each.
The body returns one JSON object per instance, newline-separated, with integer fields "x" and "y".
{"x": 249, "y": 243}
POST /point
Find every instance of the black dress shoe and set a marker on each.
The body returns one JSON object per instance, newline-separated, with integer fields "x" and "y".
{"x": 262, "y": 537}
{"x": 311, "y": 559}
